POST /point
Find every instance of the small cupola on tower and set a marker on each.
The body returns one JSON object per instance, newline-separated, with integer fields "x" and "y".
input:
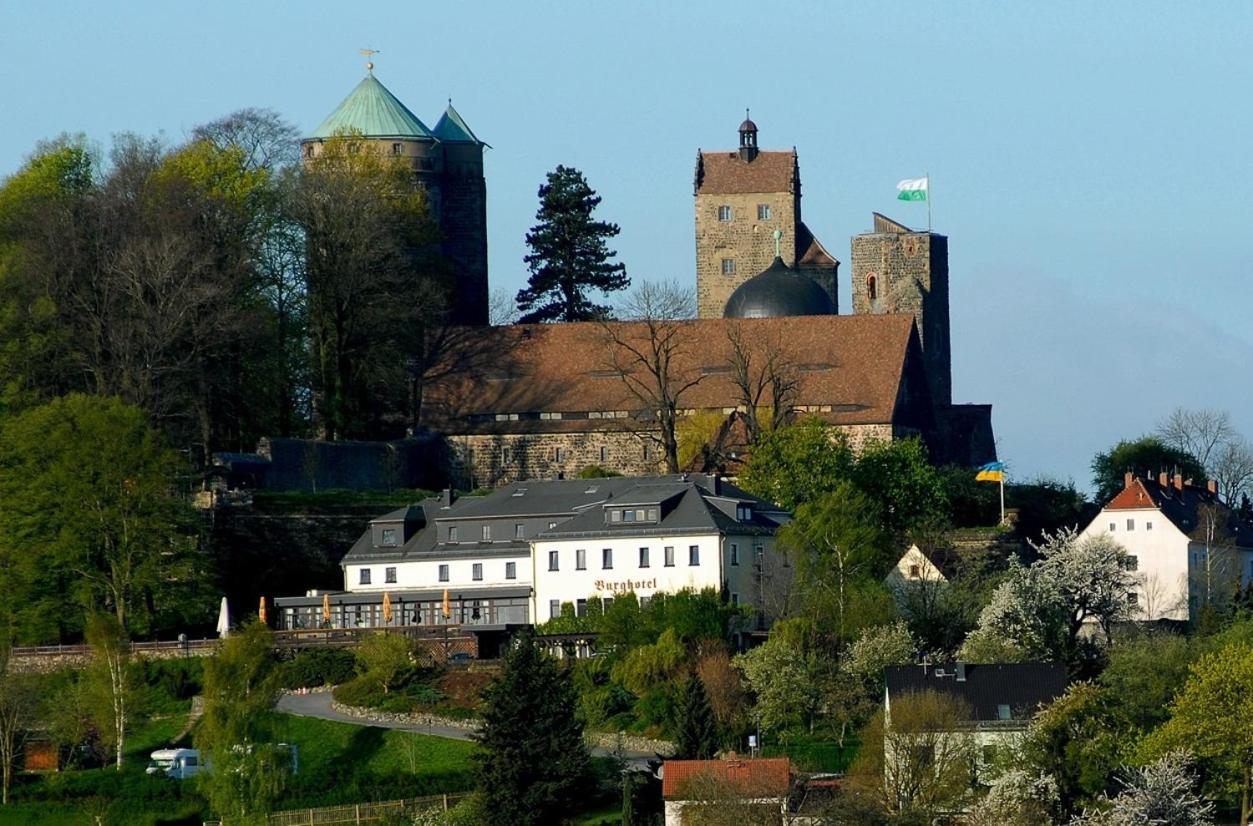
{"x": 748, "y": 138}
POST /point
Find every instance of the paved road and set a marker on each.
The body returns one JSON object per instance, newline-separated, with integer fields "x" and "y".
{"x": 318, "y": 704}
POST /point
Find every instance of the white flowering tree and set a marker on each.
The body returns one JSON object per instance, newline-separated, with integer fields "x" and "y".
{"x": 1017, "y": 798}
{"x": 1039, "y": 610}
{"x": 1162, "y": 792}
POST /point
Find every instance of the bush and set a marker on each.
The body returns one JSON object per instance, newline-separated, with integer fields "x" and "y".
{"x": 318, "y": 666}
{"x": 179, "y": 679}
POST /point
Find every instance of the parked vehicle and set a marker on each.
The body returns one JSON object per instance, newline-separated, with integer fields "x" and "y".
{"x": 177, "y": 763}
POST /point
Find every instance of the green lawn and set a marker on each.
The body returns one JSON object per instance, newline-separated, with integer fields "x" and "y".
{"x": 813, "y": 754}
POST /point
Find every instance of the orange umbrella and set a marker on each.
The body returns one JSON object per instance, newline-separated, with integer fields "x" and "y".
{"x": 387, "y": 607}
{"x": 261, "y": 610}
{"x": 326, "y": 607}
{"x": 447, "y": 605}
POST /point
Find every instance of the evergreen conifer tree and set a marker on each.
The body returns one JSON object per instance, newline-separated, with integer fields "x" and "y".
{"x": 568, "y": 255}
{"x": 697, "y": 731}
{"x": 533, "y": 766}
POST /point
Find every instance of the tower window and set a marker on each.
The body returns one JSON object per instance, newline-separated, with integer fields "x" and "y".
{"x": 728, "y": 266}
{"x": 309, "y": 151}
{"x": 763, "y": 212}
{"x": 724, "y": 214}
{"x": 396, "y": 148}
{"x": 872, "y": 287}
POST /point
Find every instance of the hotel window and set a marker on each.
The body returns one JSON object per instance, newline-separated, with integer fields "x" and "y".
{"x": 628, "y": 516}
{"x": 487, "y": 533}
{"x": 724, "y": 213}
{"x": 552, "y": 561}
{"x": 728, "y": 266}
{"x": 606, "y": 559}
{"x": 615, "y": 516}
{"x": 1131, "y": 524}
{"x": 763, "y": 212}
{"x": 519, "y": 532}
{"x": 643, "y": 557}
{"x": 452, "y": 533}
{"x": 652, "y": 514}
{"x": 693, "y": 555}
{"x": 580, "y": 559}
{"x": 389, "y": 536}
{"x": 554, "y": 608}
{"x": 443, "y": 573}
{"x": 476, "y": 572}
{"x": 735, "y": 554}
{"x": 365, "y": 576}
{"x": 511, "y": 570}
{"x": 669, "y": 556}
{"x": 580, "y": 608}
{"x": 389, "y": 575}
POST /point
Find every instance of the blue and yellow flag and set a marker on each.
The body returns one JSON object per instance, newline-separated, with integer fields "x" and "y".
{"x": 991, "y": 472}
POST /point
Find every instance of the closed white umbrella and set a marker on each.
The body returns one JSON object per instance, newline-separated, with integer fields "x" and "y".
{"x": 224, "y": 619}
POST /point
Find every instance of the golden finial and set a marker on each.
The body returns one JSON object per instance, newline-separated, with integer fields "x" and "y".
{"x": 368, "y": 54}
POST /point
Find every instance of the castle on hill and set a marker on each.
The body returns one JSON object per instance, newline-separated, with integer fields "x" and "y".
{"x": 542, "y": 401}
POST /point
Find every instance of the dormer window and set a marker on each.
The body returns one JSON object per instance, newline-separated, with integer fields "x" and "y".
{"x": 388, "y": 537}
{"x": 487, "y": 533}
{"x": 452, "y": 533}
{"x": 744, "y": 513}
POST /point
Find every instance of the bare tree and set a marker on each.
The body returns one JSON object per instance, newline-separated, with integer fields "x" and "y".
{"x": 648, "y": 354}
{"x": 1210, "y": 437}
{"x": 266, "y": 140}
{"x": 767, "y": 382}
{"x": 1220, "y": 573}
{"x": 1232, "y": 469}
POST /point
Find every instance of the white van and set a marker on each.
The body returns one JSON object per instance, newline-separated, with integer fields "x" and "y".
{"x": 177, "y": 763}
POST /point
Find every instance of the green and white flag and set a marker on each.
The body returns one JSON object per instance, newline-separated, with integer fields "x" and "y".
{"x": 914, "y": 189}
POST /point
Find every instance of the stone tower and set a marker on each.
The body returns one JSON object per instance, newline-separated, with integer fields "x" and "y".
{"x": 742, "y": 198}
{"x": 447, "y": 161}
{"x": 898, "y": 270}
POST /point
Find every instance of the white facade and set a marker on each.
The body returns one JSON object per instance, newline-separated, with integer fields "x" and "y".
{"x": 734, "y": 560}
{"x": 913, "y": 567}
{"x": 1159, "y": 558}
{"x": 452, "y": 572}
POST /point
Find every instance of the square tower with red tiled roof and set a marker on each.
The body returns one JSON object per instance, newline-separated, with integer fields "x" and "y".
{"x": 742, "y": 198}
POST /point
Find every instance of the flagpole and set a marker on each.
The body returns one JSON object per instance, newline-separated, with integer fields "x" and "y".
{"x": 928, "y": 177}
{"x": 1002, "y": 497}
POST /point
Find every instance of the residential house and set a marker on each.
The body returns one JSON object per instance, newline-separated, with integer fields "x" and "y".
{"x": 760, "y": 784}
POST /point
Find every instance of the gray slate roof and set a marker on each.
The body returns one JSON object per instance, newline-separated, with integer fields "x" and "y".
{"x": 987, "y": 686}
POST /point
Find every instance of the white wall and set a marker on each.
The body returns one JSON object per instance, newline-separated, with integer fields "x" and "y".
{"x": 1162, "y": 559}
{"x": 416, "y": 575}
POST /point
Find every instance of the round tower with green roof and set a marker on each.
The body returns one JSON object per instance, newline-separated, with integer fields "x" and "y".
{"x": 447, "y": 161}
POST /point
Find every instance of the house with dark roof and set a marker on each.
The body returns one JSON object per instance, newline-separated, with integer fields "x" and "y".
{"x": 517, "y": 556}
{"x": 1185, "y": 546}
{"x": 756, "y": 784}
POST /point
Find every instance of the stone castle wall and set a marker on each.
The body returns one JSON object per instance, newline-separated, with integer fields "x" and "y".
{"x": 744, "y": 239}
{"x": 907, "y": 272}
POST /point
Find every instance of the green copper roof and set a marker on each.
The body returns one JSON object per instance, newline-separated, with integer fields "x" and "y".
{"x": 453, "y": 129}
{"x": 374, "y": 112}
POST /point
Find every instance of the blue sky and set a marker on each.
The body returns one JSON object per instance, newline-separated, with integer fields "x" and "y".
{"x": 1089, "y": 162}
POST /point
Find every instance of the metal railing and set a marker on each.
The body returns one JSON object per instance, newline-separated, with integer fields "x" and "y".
{"x": 358, "y": 812}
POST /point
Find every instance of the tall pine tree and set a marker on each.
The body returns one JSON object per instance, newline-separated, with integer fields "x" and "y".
{"x": 697, "y": 731}
{"x": 533, "y": 766}
{"x": 569, "y": 256}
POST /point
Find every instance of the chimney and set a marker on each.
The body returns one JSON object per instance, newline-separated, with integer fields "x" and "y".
{"x": 715, "y": 484}
{"x": 1179, "y": 481}
{"x": 1212, "y": 486}
{"x": 446, "y": 498}
{"x": 1127, "y": 479}
{"x": 961, "y": 672}
{"x": 1161, "y": 480}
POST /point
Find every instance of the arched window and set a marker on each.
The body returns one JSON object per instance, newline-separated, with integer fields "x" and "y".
{"x": 872, "y": 287}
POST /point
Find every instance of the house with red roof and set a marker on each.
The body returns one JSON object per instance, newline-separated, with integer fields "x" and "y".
{"x": 759, "y": 784}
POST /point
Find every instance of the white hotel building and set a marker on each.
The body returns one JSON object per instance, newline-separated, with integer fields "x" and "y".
{"x": 512, "y": 558}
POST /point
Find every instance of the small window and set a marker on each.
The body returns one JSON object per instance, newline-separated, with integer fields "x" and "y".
{"x": 1002, "y": 712}
{"x": 580, "y": 608}
{"x": 724, "y": 213}
{"x": 643, "y": 557}
{"x": 554, "y": 608}
{"x": 389, "y": 575}
{"x": 519, "y": 532}
{"x": 604, "y": 454}
{"x": 389, "y": 536}
{"x": 1148, "y": 526}
{"x": 640, "y": 515}
{"x": 669, "y": 556}
{"x": 735, "y": 554}
{"x": 511, "y": 570}
{"x": 559, "y": 454}
{"x": 309, "y": 151}
{"x": 452, "y": 533}
{"x": 1132, "y": 562}
{"x": 648, "y": 454}
{"x": 487, "y": 533}
{"x": 652, "y": 514}
{"x": 728, "y": 266}
{"x": 1112, "y": 527}
{"x": 872, "y": 287}
{"x": 615, "y": 516}
{"x": 476, "y": 571}
{"x": 397, "y": 148}
{"x": 365, "y": 576}
{"x": 628, "y": 516}
{"x": 693, "y": 555}
{"x": 552, "y": 561}
{"x": 606, "y": 559}
{"x": 1131, "y": 524}
{"x": 580, "y": 559}
{"x": 1133, "y": 599}
{"x": 763, "y": 212}
{"x": 443, "y": 573}
{"x": 735, "y": 599}
{"x": 915, "y": 571}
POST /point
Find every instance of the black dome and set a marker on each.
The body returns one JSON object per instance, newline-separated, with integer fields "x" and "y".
{"x": 778, "y": 291}
{"x": 748, "y": 126}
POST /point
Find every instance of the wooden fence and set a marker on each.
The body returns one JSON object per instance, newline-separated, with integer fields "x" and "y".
{"x": 358, "y": 812}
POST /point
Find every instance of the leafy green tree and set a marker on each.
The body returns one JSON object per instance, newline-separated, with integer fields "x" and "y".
{"x": 381, "y": 658}
{"x": 532, "y": 765}
{"x": 798, "y": 463}
{"x": 1077, "y": 740}
{"x": 1212, "y": 717}
{"x": 836, "y": 542}
{"x": 779, "y": 677}
{"x": 89, "y": 508}
{"x": 696, "y": 731}
{"x": 1147, "y": 454}
{"x": 237, "y": 731}
{"x": 18, "y": 704}
{"x": 112, "y": 685}
{"x": 897, "y": 475}
{"x": 569, "y": 256}
{"x": 1144, "y": 673}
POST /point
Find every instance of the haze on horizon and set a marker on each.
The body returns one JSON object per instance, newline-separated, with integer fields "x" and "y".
{"x": 1086, "y": 161}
